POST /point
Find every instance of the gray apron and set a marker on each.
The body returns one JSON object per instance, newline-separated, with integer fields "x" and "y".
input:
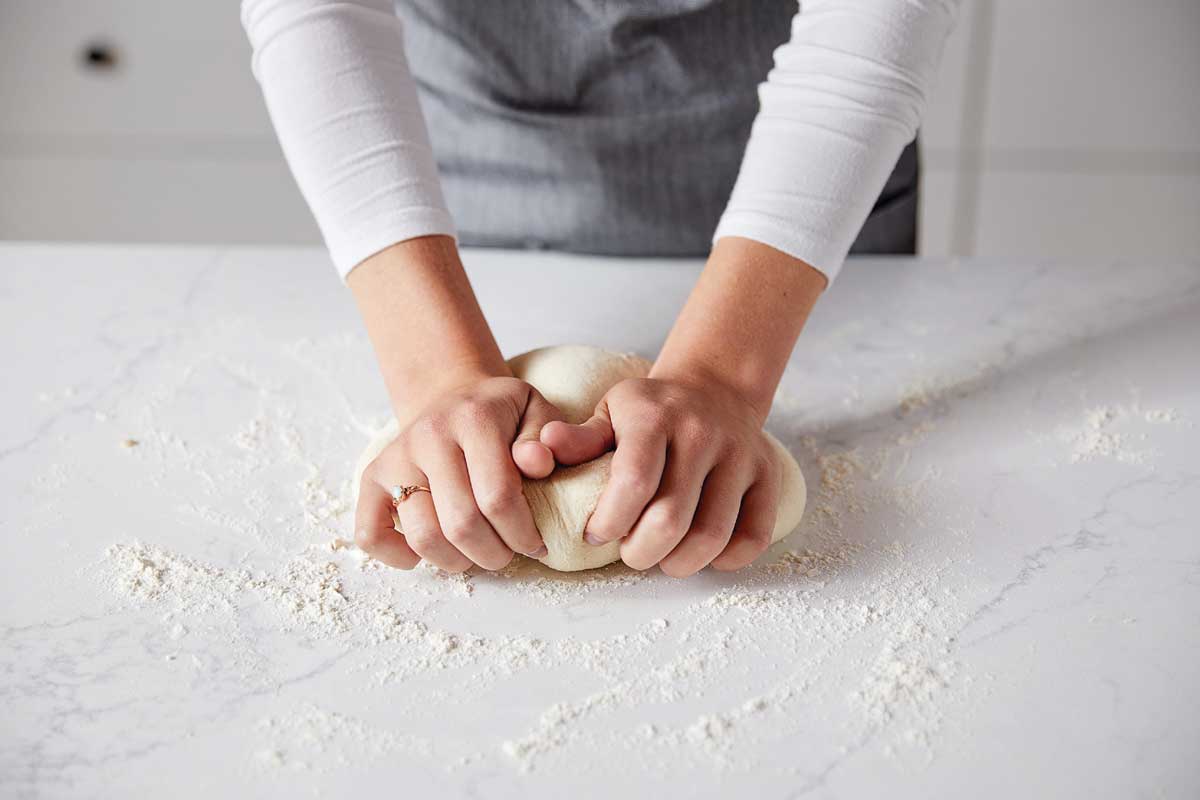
{"x": 605, "y": 126}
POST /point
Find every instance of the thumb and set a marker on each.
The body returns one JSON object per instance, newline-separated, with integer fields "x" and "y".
{"x": 534, "y": 459}
{"x": 574, "y": 444}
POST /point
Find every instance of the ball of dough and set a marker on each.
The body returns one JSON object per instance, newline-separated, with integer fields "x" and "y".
{"x": 574, "y": 378}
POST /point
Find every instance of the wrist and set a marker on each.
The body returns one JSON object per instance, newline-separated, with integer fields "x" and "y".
{"x": 424, "y": 321}
{"x": 696, "y": 374}
{"x": 411, "y": 393}
{"x": 742, "y": 320}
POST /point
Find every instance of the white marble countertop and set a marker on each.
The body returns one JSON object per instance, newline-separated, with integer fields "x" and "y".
{"x": 995, "y": 591}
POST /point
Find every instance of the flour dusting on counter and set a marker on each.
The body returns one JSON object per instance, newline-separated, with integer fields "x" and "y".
{"x": 999, "y": 552}
{"x": 843, "y": 590}
{"x": 828, "y": 593}
{"x": 1112, "y": 432}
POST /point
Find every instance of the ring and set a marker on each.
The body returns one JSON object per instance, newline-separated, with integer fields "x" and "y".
{"x": 401, "y": 493}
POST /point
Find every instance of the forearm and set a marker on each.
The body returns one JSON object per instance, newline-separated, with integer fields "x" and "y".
{"x": 344, "y": 105}
{"x": 843, "y": 99}
{"x": 424, "y": 321}
{"x": 742, "y": 320}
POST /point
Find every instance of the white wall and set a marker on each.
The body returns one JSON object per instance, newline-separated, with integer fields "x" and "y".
{"x": 1058, "y": 128}
{"x": 172, "y": 145}
{"x": 1067, "y": 128}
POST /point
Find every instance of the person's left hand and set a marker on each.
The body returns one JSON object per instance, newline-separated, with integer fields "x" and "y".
{"x": 694, "y": 480}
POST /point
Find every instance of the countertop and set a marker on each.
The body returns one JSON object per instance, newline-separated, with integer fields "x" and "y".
{"x": 995, "y": 591}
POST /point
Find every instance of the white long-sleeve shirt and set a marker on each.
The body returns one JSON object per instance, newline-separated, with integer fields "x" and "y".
{"x": 844, "y": 97}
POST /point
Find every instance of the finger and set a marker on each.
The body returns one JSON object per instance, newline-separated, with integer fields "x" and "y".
{"x": 574, "y": 444}
{"x": 669, "y": 514}
{"x": 755, "y": 523}
{"x": 419, "y": 523}
{"x": 712, "y": 525}
{"x": 634, "y": 476}
{"x": 461, "y": 522}
{"x": 496, "y": 486}
{"x": 532, "y": 457}
{"x": 375, "y": 527}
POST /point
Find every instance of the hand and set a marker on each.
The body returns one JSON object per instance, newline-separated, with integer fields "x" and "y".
{"x": 470, "y": 445}
{"x": 694, "y": 481}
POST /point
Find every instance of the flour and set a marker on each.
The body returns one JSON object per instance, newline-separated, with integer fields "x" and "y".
{"x": 853, "y": 623}
{"x": 1108, "y": 432}
{"x": 901, "y": 676}
{"x": 556, "y": 727}
{"x": 1097, "y": 438}
{"x": 1161, "y": 415}
{"x": 150, "y": 574}
{"x": 308, "y": 596}
{"x": 311, "y": 739}
{"x": 559, "y": 589}
{"x": 246, "y": 629}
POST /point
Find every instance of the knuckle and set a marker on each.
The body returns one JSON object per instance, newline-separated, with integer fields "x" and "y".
{"x": 470, "y": 412}
{"x": 652, "y": 415}
{"x": 460, "y": 529}
{"x": 738, "y": 454}
{"x": 663, "y": 518}
{"x": 708, "y": 536}
{"x": 477, "y": 412}
{"x": 770, "y": 469}
{"x": 627, "y": 389}
{"x": 368, "y": 539}
{"x": 376, "y": 471}
{"x": 676, "y": 400}
{"x": 501, "y": 498}
{"x": 659, "y": 417}
{"x": 757, "y": 537}
{"x": 693, "y": 428}
{"x": 428, "y": 426}
{"x": 422, "y": 538}
{"x": 638, "y": 485}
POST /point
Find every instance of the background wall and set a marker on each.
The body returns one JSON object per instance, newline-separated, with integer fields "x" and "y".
{"x": 1058, "y": 128}
{"x": 1067, "y": 128}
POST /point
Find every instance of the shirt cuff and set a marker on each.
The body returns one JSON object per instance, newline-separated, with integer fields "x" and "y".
{"x": 350, "y": 248}
{"x": 822, "y": 255}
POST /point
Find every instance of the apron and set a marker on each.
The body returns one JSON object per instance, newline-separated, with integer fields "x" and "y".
{"x": 605, "y": 126}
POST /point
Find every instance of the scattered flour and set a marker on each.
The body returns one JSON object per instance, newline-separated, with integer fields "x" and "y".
{"x": 1161, "y": 415}
{"x": 312, "y": 738}
{"x": 1108, "y": 432}
{"x": 854, "y": 626}
{"x": 833, "y": 597}
{"x": 1098, "y": 439}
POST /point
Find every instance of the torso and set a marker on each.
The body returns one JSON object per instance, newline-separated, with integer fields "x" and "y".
{"x": 592, "y": 126}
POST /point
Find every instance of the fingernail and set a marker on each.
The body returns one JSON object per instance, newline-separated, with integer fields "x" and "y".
{"x": 592, "y": 539}
{"x": 539, "y": 553}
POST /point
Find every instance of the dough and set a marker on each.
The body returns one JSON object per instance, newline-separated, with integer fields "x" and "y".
{"x": 574, "y": 378}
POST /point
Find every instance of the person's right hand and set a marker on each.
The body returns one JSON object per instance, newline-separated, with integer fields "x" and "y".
{"x": 470, "y": 446}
